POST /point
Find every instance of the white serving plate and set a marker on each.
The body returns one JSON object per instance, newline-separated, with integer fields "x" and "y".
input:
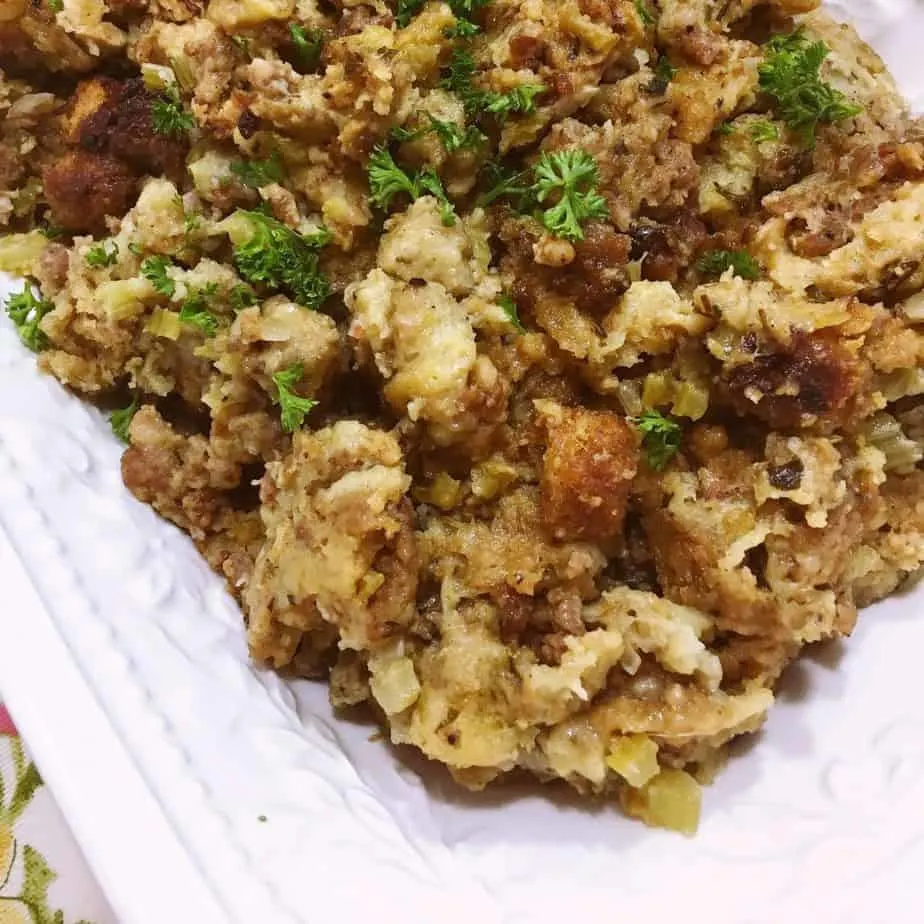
{"x": 124, "y": 662}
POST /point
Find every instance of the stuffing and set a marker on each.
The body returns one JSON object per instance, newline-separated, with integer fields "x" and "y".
{"x": 546, "y": 375}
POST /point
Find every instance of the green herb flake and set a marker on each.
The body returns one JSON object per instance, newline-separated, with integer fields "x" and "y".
{"x": 56, "y": 6}
{"x": 26, "y": 311}
{"x": 168, "y": 117}
{"x": 241, "y": 297}
{"x": 195, "y": 312}
{"x": 504, "y": 182}
{"x": 121, "y": 420}
{"x": 725, "y": 128}
{"x": 791, "y": 76}
{"x": 660, "y": 438}
{"x": 293, "y": 407}
{"x": 570, "y": 177}
{"x": 716, "y": 262}
{"x": 105, "y": 253}
{"x": 387, "y": 180}
{"x": 307, "y": 45}
{"x": 257, "y": 173}
{"x": 644, "y": 14}
{"x": 154, "y": 269}
{"x": 281, "y": 258}
{"x": 764, "y": 130}
{"x": 663, "y": 74}
{"x": 509, "y": 307}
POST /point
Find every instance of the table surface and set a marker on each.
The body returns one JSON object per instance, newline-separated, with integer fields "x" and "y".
{"x": 43, "y": 874}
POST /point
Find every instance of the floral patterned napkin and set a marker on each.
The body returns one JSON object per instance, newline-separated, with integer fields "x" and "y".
{"x": 44, "y": 878}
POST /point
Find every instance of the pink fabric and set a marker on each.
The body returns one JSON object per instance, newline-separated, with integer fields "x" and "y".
{"x": 6, "y": 723}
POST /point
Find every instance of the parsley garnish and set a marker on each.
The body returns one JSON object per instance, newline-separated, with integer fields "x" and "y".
{"x": 241, "y": 297}
{"x": 242, "y": 43}
{"x": 136, "y": 249}
{"x": 56, "y": 6}
{"x": 102, "y": 254}
{"x": 293, "y": 406}
{"x": 660, "y": 438}
{"x": 460, "y": 79}
{"x": 572, "y": 177}
{"x": 26, "y": 311}
{"x": 307, "y": 45}
{"x": 168, "y": 117}
{"x": 154, "y": 269}
{"x": 121, "y": 420}
{"x": 663, "y": 74}
{"x": 505, "y": 182}
{"x": 257, "y": 173}
{"x": 387, "y": 180}
{"x": 726, "y": 128}
{"x": 764, "y": 130}
{"x": 790, "y": 75}
{"x": 509, "y": 307}
{"x": 283, "y": 259}
{"x": 644, "y": 14}
{"x": 716, "y": 262}
{"x": 453, "y": 137}
{"x": 194, "y": 311}
{"x": 51, "y": 231}
{"x": 463, "y": 10}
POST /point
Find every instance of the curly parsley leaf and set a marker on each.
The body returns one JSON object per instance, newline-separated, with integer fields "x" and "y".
{"x": 195, "y": 311}
{"x": 26, "y": 310}
{"x": 660, "y": 438}
{"x": 387, "y": 180}
{"x": 257, "y": 173}
{"x": 716, "y": 262}
{"x": 103, "y": 254}
{"x": 56, "y": 6}
{"x": 241, "y": 297}
{"x": 282, "y": 258}
{"x": 121, "y": 420}
{"x": 644, "y": 14}
{"x": 791, "y": 76}
{"x": 154, "y": 269}
{"x": 503, "y": 182}
{"x": 452, "y": 136}
{"x": 293, "y": 406}
{"x": 307, "y": 45}
{"x": 168, "y": 117}
{"x": 509, "y": 307}
{"x": 570, "y": 177}
{"x": 663, "y": 74}
{"x": 764, "y": 130}
{"x": 460, "y": 79}
{"x": 520, "y": 99}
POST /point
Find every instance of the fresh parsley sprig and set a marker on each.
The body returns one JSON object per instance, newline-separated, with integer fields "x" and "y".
{"x": 460, "y": 79}
{"x": 195, "y": 310}
{"x": 281, "y": 258}
{"x": 103, "y": 254}
{"x": 293, "y": 407}
{"x": 257, "y": 173}
{"x": 791, "y": 76}
{"x": 307, "y": 45}
{"x": 452, "y": 136}
{"x": 716, "y": 262}
{"x": 387, "y": 180}
{"x": 570, "y": 178}
{"x": 154, "y": 269}
{"x": 26, "y": 311}
{"x": 121, "y": 420}
{"x": 168, "y": 117}
{"x": 661, "y": 437}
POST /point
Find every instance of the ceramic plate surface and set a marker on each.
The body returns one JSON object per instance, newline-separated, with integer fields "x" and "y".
{"x": 124, "y": 662}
